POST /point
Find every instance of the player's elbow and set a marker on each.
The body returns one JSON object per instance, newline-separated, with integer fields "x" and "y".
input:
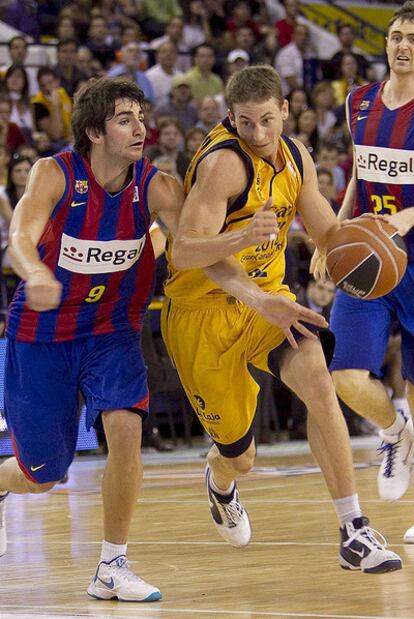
{"x": 11, "y": 243}
{"x": 182, "y": 255}
{"x": 179, "y": 256}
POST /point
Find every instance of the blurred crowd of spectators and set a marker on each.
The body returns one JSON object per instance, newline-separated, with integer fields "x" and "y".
{"x": 180, "y": 53}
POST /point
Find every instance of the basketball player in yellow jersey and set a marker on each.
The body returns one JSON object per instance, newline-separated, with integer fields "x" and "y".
{"x": 244, "y": 186}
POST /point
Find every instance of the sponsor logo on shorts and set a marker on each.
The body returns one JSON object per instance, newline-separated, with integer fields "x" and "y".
{"x": 200, "y": 401}
{"x": 36, "y": 468}
{"x": 200, "y": 409}
{"x": 213, "y": 433}
{"x": 210, "y": 417}
{"x": 384, "y": 165}
{"x": 88, "y": 256}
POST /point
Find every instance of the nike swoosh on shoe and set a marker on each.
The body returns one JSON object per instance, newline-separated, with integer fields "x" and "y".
{"x": 108, "y": 583}
{"x": 360, "y": 553}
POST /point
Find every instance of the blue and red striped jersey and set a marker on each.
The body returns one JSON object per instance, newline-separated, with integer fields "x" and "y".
{"x": 384, "y": 154}
{"x": 98, "y": 246}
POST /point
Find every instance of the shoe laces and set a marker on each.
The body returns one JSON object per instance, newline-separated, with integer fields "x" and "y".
{"x": 233, "y": 511}
{"x": 389, "y": 450}
{"x": 122, "y": 570}
{"x": 369, "y": 537}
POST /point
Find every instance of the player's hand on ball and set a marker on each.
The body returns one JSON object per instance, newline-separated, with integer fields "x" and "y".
{"x": 345, "y": 222}
{"x": 43, "y": 291}
{"x": 263, "y": 225}
{"x": 285, "y": 313}
{"x": 317, "y": 266}
{"x": 402, "y": 221}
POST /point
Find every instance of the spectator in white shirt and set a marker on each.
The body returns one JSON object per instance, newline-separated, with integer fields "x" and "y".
{"x": 289, "y": 61}
{"x": 162, "y": 73}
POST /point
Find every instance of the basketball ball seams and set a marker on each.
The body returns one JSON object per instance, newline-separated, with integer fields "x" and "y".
{"x": 380, "y": 241}
{"x": 366, "y": 257}
{"x": 344, "y": 278}
{"x": 339, "y": 249}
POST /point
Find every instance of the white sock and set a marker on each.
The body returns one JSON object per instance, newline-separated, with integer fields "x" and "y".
{"x": 396, "y": 426}
{"x": 112, "y": 551}
{"x": 347, "y": 508}
{"x": 401, "y": 404}
{"x": 217, "y": 490}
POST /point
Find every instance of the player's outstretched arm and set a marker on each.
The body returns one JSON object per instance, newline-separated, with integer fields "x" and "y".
{"x": 45, "y": 187}
{"x": 200, "y": 241}
{"x": 275, "y": 308}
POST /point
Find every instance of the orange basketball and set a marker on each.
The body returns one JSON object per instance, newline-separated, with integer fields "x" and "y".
{"x": 366, "y": 258}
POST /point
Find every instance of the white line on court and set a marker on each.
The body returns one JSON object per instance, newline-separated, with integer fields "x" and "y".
{"x": 317, "y": 543}
{"x": 187, "y": 611}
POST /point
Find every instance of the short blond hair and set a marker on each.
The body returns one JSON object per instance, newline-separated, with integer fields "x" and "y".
{"x": 257, "y": 83}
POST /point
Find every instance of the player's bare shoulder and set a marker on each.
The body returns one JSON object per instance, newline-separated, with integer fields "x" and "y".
{"x": 224, "y": 168}
{"x": 46, "y": 180}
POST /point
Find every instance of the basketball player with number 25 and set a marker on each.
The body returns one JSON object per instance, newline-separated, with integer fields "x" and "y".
{"x": 381, "y": 122}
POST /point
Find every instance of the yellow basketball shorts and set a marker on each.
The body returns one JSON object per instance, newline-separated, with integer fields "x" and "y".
{"x": 211, "y": 347}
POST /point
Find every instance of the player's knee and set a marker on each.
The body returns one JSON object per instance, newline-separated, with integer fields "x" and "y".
{"x": 318, "y": 389}
{"x": 123, "y": 433}
{"x": 244, "y": 463}
{"x": 38, "y": 488}
{"x": 348, "y": 383}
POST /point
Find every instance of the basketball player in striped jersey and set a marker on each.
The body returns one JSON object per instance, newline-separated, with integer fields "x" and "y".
{"x": 80, "y": 241}
{"x": 243, "y": 188}
{"x": 381, "y": 122}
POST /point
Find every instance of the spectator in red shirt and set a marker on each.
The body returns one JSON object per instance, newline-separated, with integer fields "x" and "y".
{"x": 285, "y": 27}
{"x": 10, "y": 134}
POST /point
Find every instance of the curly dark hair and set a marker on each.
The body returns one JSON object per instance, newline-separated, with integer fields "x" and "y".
{"x": 95, "y": 104}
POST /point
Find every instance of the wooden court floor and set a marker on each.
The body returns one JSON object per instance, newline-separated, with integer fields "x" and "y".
{"x": 289, "y": 570}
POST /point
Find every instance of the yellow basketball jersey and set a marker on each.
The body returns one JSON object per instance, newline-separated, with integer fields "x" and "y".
{"x": 265, "y": 262}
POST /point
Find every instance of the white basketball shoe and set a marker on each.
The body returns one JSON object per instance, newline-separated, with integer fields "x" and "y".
{"x": 229, "y": 516}
{"x": 395, "y": 470}
{"x": 363, "y": 548}
{"x": 409, "y": 536}
{"x": 115, "y": 580}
